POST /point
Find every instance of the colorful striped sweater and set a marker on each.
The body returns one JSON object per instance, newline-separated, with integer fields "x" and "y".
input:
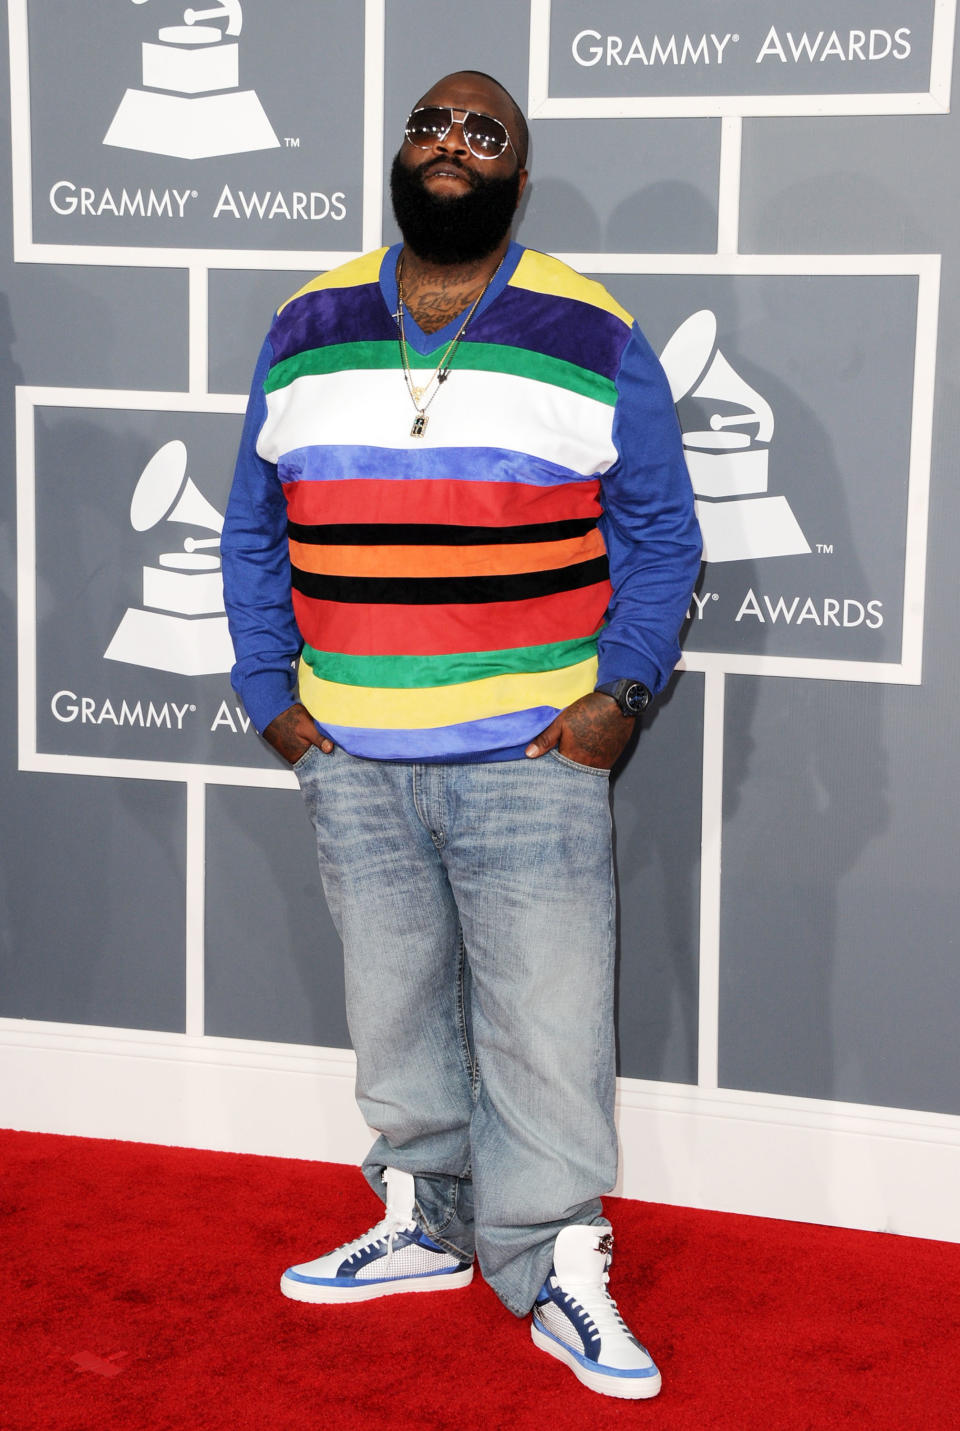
{"x": 443, "y": 597}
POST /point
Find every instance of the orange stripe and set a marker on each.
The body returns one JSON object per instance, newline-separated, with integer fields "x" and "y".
{"x": 501, "y": 559}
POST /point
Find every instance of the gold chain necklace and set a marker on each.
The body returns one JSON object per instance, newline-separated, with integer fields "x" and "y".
{"x": 439, "y": 374}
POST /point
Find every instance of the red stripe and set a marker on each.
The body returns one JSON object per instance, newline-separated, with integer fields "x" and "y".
{"x": 462, "y": 504}
{"x": 375, "y": 630}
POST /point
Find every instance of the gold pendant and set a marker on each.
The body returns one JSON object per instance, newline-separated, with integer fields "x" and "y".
{"x": 417, "y": 394}
{"x": 419, "y": 425}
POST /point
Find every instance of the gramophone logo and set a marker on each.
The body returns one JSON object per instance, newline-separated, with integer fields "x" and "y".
{"x": 728, "y": 458}
{"x": 181, "y": 625}
{"x": 191, "y": 105}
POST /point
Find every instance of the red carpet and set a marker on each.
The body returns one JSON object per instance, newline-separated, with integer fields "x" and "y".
{"x": 141, "y": 1294}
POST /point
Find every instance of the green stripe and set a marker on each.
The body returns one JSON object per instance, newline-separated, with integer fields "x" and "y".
{"x": 336, "y": 358}
{"x": 522, "y": 363}
{"x": 480, "y": 357}
{"x": 416, "y": 672}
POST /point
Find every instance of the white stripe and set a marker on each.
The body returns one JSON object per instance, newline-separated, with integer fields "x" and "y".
{"x": 941, "y": 60}
{"x": 20, "y": 132}
{"x": 711, "y": 830}
{"x": 746, "y": 106}
{"x": 375, "y": 23}
{"x": 198, "y": 328}
{"x": 473, "y": 409}
{"x": 195, "y": 904}
{"x": 728, "y": 204}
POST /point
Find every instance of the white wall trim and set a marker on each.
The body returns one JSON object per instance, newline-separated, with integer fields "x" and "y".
{"x": 27, "y": 250}
{"x": 374, "y": 65}
{"x": 842, "y": 1164}
{"x": 195, "y": 910}
{"x": 711, "y": 844}
{"x": 543, "y": 105}
{"x": 728, "y": 199}
{"x": 198, "y": 329}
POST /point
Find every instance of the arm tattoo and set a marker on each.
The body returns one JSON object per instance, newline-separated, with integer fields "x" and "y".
{"x": 598, "y": 730}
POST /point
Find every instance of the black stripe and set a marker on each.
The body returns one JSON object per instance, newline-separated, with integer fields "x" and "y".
{"x": 434, "y": 534}
{"x": 449, "y": 590}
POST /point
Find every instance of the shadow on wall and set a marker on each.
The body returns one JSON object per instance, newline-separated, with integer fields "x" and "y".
{"x": 657, "y": 217}
{"x": 798, "y": 810}
{"x": 803, "y": 798}
{"x": 91, "y": 888}
{"x": 647, "y": 221}
{"x": 874, "y": 217}
{"x": 274, "y": 960}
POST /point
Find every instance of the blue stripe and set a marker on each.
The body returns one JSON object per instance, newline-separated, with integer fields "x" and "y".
{"x": 432, "y": 464}
{"x": 468, "y": 740}
{"x": 370, "y": 1281}
{"x": 636, "y": 1374}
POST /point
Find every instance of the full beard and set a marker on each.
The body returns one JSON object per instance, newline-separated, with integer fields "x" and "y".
{"x": 461, "y": 229}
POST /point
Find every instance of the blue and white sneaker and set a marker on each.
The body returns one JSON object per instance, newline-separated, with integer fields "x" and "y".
{"x": 395, "y": 1256}
{"x": 576, "y": 1320}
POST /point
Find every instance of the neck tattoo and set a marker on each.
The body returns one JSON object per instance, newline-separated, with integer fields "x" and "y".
{"x": 423, "y": 395}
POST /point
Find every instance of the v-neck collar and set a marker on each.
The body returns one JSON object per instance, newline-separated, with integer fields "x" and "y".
{"x": 426, "y": 343}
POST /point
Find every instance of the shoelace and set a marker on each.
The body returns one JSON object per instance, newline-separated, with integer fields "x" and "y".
{"x": 602, "y": 1312}
{"x": 385, "y": 1231}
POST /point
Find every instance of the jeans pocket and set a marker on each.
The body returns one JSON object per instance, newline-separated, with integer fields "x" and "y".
{"x": 299, "y": 766}
{"x": 597, "y": 770}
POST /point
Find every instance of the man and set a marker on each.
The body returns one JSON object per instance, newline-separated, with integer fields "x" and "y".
{"x": 460, "y": 480}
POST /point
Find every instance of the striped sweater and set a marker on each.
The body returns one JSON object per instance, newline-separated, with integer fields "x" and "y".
{"x": 443, "y": 597}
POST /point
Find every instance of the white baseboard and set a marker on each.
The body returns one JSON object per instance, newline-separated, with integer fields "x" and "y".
{"x": 845, "y": 1165}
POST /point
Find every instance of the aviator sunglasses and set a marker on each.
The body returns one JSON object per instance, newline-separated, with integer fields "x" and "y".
{"x": 484, "y": 136}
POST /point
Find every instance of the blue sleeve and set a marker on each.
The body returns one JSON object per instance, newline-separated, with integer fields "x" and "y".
{"x": 256, "y": 572}
{"x": 649, "y": 526}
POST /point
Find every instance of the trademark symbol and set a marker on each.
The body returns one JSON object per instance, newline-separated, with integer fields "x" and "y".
{"x": 194, "y": 193}
{"x": 736, "y": 39}
{"x": 193, "y": 710}
{"x": 714, "y": 596}
{"x": 293, "y": 143}
{"x": 825, "y": 548}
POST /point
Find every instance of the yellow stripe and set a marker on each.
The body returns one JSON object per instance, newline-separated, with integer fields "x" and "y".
{"x": 543, "y": 274}
{"x": 397, "y": 709}
{"x": 365, "y": 269}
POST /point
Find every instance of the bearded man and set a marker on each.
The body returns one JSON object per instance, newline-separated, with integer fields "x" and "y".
{"x": 458, "y": 551}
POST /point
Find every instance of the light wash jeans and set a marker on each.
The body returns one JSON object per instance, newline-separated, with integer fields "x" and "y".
{"x": 476, "y": 908}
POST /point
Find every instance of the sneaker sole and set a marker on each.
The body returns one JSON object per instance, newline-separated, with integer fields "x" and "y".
{"x": 365, "y": 1291}
{"x": 626, "y": 1387}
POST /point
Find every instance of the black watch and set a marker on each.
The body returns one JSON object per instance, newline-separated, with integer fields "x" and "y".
{"x": 631, "y": 696}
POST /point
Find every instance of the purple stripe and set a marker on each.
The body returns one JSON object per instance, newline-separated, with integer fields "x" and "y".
{"x": 565, "y": 328}
{"x": 332, "y": 315}
{"x": 433, "y": 464}
{"x": 449, "y": 742}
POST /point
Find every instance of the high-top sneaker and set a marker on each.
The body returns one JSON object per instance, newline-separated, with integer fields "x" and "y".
{"x": 576, "y": 1320}
{"x": 395, "y": 1256}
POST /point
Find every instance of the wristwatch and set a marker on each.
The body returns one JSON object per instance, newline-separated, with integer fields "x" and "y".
{"x": 631, "y": 696}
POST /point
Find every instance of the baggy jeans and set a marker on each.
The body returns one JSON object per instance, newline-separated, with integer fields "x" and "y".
{"x": 476, "y": 907}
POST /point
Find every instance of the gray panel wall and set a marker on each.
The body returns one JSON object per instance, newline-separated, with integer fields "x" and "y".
{"x": 839, "y": 906}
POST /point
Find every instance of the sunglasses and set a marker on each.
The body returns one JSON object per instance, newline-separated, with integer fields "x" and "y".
{"x": 484, "y": 136}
